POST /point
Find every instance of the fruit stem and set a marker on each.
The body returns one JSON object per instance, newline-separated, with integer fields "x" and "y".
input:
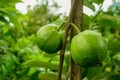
{"x": 75, "y": 27}
{"x": 63, "y": 23}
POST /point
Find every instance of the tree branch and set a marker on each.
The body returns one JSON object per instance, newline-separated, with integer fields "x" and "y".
{"x": 77, "y": 20}
{"x": 67, "y": 27}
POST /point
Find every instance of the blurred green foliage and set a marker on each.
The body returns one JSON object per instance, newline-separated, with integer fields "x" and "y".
{"x": 20, "y": 57}
{"x": 17, "y": 40}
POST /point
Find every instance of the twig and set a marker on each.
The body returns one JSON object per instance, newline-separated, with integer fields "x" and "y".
{"x": 67, "y": 27}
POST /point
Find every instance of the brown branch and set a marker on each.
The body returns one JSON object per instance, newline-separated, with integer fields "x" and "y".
{"x": 77, "y": 20}
{"x": 67, "y": 27}
{"x": 75, "y": 71}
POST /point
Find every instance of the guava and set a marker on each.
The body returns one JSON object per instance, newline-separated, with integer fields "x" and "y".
{"x": 49, "y": 39}
{"x": 88, "y": 49}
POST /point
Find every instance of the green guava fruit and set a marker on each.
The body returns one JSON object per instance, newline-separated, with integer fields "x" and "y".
{"x": 49, "y": 39}
{"x": 88, "y": 49}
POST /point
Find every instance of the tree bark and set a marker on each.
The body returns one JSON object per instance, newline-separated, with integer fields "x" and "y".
{"x": 78, "y": 13}
{"x": 75, "y": 17}
{"x": 62, "y": 52}
{"x": 77, "y": 20}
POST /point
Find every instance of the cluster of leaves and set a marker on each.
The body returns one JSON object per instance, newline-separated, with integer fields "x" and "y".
{"x": 20, "y": 57}
{"x": 17, "y": 41}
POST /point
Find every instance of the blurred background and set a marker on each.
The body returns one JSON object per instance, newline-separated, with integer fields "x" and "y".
{"x": 64, "y": 6}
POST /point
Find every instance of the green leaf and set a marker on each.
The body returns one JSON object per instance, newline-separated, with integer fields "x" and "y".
{"x": 39, "y": 63}
{"x": 98, "y": 1}
{"x": 32, "y": 71}
{"x": 86, "y": 21}
{"x": 4, "y": 69}
{"x": 93, "y": 72}
{"x": 5, "y": 29}
{"x": 11, "y": 15}
{"x": 89, "y": 4}
{"x": 15, "y": 59}
{"x": 3, "y": 12}
{"x": 13, "y": 18}
{"x": 108, "y": 21}
{"x": 3, "y": 19}
{"x": 9, "y": 62}
{"x": 4, "y": 3}
{"x": 116, "y": 58}
{"x": 50, "y": 55}
{"x": 48, "y": 76}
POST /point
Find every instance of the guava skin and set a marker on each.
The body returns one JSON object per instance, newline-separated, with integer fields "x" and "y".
{"x": 88, "y": 49}
{"x": 49, "y": 39}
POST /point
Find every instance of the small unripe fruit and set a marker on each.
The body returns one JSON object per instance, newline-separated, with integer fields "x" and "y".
{"x": 88, "y": 49}
{"x": 49, "y": 39}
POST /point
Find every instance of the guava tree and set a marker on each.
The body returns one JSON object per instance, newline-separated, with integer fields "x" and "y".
{"x": 41, "y": 45}
{"x": 87, "y": 51}
{"x": 92, "y": 52}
